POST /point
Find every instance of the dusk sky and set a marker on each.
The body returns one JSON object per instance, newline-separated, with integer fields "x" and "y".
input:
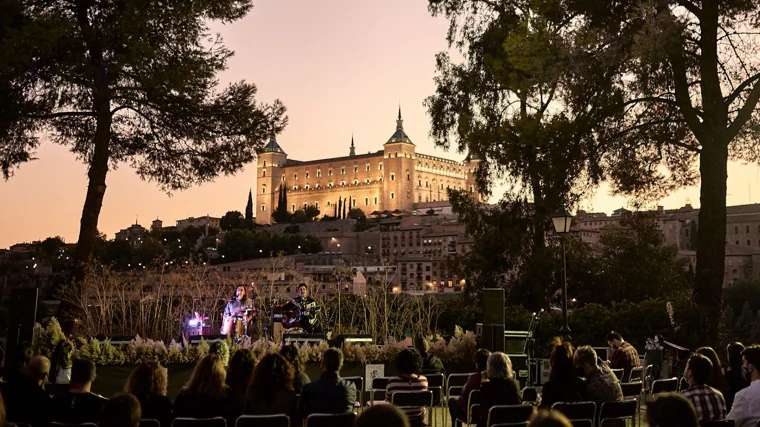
{"x": 341, "y": 67}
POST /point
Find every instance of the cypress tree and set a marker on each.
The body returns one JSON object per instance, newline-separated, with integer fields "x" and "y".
{"x": 340, "y": 207}
{"x": 249, "y": 210}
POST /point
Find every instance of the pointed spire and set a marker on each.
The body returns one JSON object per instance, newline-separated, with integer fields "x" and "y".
{"x": 352, "y": 152}
{"x": 399, "y": 121}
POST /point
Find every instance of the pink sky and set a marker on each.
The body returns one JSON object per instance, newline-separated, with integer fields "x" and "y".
{"x": 341, "y": 67}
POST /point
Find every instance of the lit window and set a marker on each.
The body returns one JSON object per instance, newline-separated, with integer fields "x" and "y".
{"x": 366, "y": 201}
{"x": 319, "y": 173}
{"x": 356, "y": 181}
{"x": 264, "y": 189}
{"x": 375, "y": 200}
{"x": 265, "y": 163}
{"x": 393, "y": 176}
{"x": 306, "y": 186}
{"x": 307, "y": 175}
{"x": 293, "y": 207}
{"x": 367, "y": 168}
{"x": 295, "y": 187}
{"x": 343, "y": 183}
{"x": 316, "y": 205}
{"x": 264, "y": 173}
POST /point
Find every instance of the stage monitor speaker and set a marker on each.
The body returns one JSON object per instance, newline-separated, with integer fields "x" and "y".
{"x": 493, "y": 306}
{"x": 514, "y": 341}
{"x": 196, "y": 339}
{"x": 343, "y": 339}
{"x": 491, "y": 337}
{"x": 303, "y": 338}
{"x": 22, "y": 313}
{"x": 521, "y": 368}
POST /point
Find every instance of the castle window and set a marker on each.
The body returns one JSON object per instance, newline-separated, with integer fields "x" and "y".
{"x": 419, "y": 183}
{"x": 264, "y": 173}
{"x": 295, "y": 176}
{"x": 396, "y": 154}
{"x": 367, "y": 181}
{"x": 343, "y": 183}
{"x": 295, "y": 187}
{"x": 367, "y": 167}
{"x": 393, "y": 176}
{"x": 356, "y": 169}
{"x": 746, "y": 228}
{"x": 316, "y": 205}
{"x": 380, "y": 166}
{"x": 366, "y": 201}
{"x": 329, "y": 184}
{"x": 393, "y": 195}
{"x": 328, "y": 203}
{"x": 264, "y": 189}
{"x": 375, "y": 200}
{"x": 317, "y": 185}
{"x": 471, "y": 189}
{"x": 356, "y": 181}
{"x": 306, "y": 186}
{"x": 427, "y": 184}
{"x": 307, "y": 175}
{"x": 353, "y": 202}
{"x": 380, "y": 179}
{"x": 408, "y": 176}
{"x": 265, "y": 163}
{"x": 343, "y": 171}
{"x": 329, "y": 172}
{"x": 319, "y": 173}
{"x": 282, "y": 178}
{"x": 263, "y": 208}
{"x": 293, "y": 207}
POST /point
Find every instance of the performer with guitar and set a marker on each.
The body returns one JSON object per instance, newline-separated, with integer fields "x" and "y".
{"x": 308, "y": 307}
{"x": 238, "y": 312}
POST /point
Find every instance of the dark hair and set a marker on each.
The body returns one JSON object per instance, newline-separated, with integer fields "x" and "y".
{"x": 545, "y": 418}
{"x": 752, "y": 354}
{"x": 146, "y": 379}
{"x": 121, "y": 411}
{"x": 481, "y": 358}
{"x": 382, "y": 416}
{"x": 408, "y": 362}
{"x": 562, "y": 365}
{"x": 614, "y": 336}
{"x": 207, "y": 378}
{"x": 241, "y": 369}
{"x": 671, "y": 410}
{"x": 701, "y": 368}
{"x": 422, "y": 345}
{"x": 332, "y": 360}
{"x": 82, "y": 372}
{"x": 290, "y": 353}
{"x": 273, "y": 374}
{"x": 302, "y": 285}
{"x": 61, "y": 358}
{"x": 216, "y": 348}
{"x": 717, "y": 379}
{"x": 734, "y": 354}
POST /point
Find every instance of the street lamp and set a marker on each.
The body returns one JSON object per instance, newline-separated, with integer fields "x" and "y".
{"x": 562, "y": 220}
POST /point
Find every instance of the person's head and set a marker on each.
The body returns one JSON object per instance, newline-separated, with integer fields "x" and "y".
{"x": 120, "y": 411}
{"x": 332, "y": 360}
{"x": 751, "y": 361}
{"x": 303, "y": 290}
{"x": 699, "y": 370}
{"x": 146, "y": 379}
{"x": 82, "y": 373}
{"x": 382, "y": 416}
{"x": 291, "y": 354}
{"x": 671, "y": 410}
{"x": 241, "y": 293}
{"x": 544, "y": 418}
{"x": 63, "y": 351}
{"x": 241, "y": 369}
{"x": 408, "y": 362}
{"x": 272, "y": 374}
{"x": 734, "y": 355}
{"x": 216, "y": 348}
{"x": 717, "y": 368}
{"x": 207, "y": 378}
{"x": 25, "y": 354}
{"x": 422, "y": 345}
{"x": 38, "y": 369}
{"x": 499, "y": 366}
{"x": 615, "y": 340}
{"x": 561, "y": 361}
{"x": 481, "y": 359}
{"x": 585, "y": 360}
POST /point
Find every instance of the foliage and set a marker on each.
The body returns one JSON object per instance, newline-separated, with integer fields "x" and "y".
{"x": 281, "y": 214}
{"x": 311, "y": 212}
{"x": 740, "y": 293}
{"x": 232, "y": 220}
{"x": 248, "y": 221}
{"x": 248, "y": 244}
{"x": 132, "y": 82}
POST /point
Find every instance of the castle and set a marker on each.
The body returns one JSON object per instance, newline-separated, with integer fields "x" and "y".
{"x": 395, "y": 178}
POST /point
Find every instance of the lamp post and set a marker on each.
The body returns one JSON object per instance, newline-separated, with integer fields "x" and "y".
{"x": 562, "y": 221}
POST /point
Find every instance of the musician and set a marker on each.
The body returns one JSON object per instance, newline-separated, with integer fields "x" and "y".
{"x": 239, "y": 308}
{"x": 309, "y": 309}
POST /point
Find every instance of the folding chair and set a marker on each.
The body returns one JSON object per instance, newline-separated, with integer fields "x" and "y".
{"x": 379, "y": 384}
{"x": 277, "y": 420}
{"x": 615, "y": 413}
{"x": 664, "y": 386}
{"x": 473, "y": 402}
{"x": 683, "y": 384}
{"x": 414, "y": 400}
{"x": 454, "y": 385}
{"x": 648, "y": 379}
{"x": 359, "y": 383}
{"x": 530, "y": 394}
{"x": 57, "y": 424}
{"x": 509, "y": 414}
{"x": 149, "y": 423}
{"x": 199, "y": 422}
{"x": 435, "y": 384}
{"x": 718, "y": 423}
{"x": 619, "y": 374}
{"x": 331, "y": 420}
{"x": 577, "y": 410}
{"x": 637, "y": 374}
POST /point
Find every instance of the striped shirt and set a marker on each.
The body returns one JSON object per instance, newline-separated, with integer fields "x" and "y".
{"x": 708, "y": 402}
{"x": 420, "y": 383}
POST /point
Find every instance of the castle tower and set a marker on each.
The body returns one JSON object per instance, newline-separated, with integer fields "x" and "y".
{"x": 352, "y": 150}
{"x": 472, "y": 162}
{"x": 399, "y": 176}
{"x": 269, "y": 177}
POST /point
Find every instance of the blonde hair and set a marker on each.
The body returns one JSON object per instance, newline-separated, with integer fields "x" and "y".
{"x": 207, "y": 378}
{"x": 499, "y": 366}
{"x": 147, "y": 378}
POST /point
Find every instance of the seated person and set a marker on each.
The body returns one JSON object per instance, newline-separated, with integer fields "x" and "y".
{"x": 25, "y": 398}
{"x": 499, "y": 387}
{"x": 458, "y": 405}
{"x": 382, "y": 416}
{"x": 78, "y": 404}
{"x": 708, "y": 401}
{"x": 329, "y": 394}
{"x": 408, "y": 366}
{"x": 148, "y": 383}
{"x": 121, "y": 411}
{"x": 564, "y": 384}
{"x": 602, "y": 385}
{"x": 430, "y": 364}
{"x": 271, "y": 390}
{"x": 205, "y": 394}
{"x": 671, "y": 409}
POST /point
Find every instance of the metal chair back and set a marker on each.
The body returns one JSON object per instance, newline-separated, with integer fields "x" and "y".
{"x": 278, "y": 420}
{"x": 582, "y": 423}
{"x": 617, "y": 411}
{"x": 359, "y": 383}
{"x": 473, "y": 402}
{"x": 509, "y": 414}
{"x": 637, "y": 374}
{"x": 664, "y": 386}
{"x": 576, "y": 410}
{"x": 631, "y": 389}
{"x": 331, "y": 420}
{"x": 530, "y": 394}
{"x": 618, "y": 374}
{"x": 379, "y": 385}
{"x": 199, "y": 422}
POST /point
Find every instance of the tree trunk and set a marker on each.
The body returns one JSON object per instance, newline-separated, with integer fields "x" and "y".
{"x": 711, "y": 239}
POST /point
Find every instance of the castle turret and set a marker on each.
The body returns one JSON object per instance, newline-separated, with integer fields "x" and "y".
{"x": 269, "y": 178}
{"x": 399, "y": 174}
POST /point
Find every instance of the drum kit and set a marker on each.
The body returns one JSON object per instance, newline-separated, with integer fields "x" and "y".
{"x": 240, "y": 321}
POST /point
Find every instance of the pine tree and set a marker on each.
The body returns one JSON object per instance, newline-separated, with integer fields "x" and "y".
{"x": 249, "y": 211}
{"x": 340, "y": 208}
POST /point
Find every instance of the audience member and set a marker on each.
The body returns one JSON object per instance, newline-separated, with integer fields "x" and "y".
{"x": 147, "y": 383}
{"x": 60, "y": 365}
{"x": 271, "y": 390}
{"x": 458, "y": 405}
{"x": 624, "y": 357}
{"x": 408, "y": 367}
{"x": 671, "y": 410}
{"x": 707, "y": 401}
{"x": 239, "y": 375}
{"x": 24, "y": 354}
{"x": 290, "y": 353}
{"x": 499, "y": 387}
{"x": 382, "y": 416}
{"x": 717, "y": 379}
{"x": 205, "y": 394}
{"x": 601, "y": 383}
{"x": 78, "y": 404}
{"x": 564, "y": 385}
{"x": 121, "y": 411}
{"x": 329, "y": 394}
{"x": 2, "y": 414}
{"x": 746, "y": 409}
{"x": 546, "y": 418}
{"x": 25, "y": 399}
{"x": 430, "y": 364}
{"x": 734, "y": 373}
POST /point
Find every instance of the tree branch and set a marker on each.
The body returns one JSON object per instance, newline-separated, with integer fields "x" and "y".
{"x": 62, "y": 114}
{"x": 739, "y": 89}
{"x": 691, "y": 7}
{"x": 745, "y": 113}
